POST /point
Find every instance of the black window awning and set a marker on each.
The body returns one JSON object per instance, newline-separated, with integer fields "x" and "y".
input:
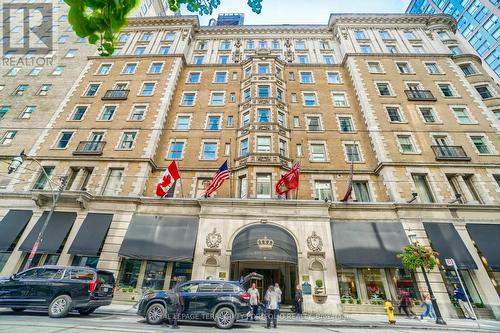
{"x": 57, "y": 230}
{"x": 368, "y": 244}
{"x": 165, "y": 238}
{"x": 11, "y": 226}
{"x": 276, "y": 244}
{"x": 447, "y": 242}
{"x": 89, "y": 239}
{"x": 486, "y": 238}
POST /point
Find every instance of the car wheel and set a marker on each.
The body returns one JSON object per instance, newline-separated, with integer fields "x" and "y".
{"x": 224, "y": 318}
{"x": 155, "y": 314}
{"x": 86, "y": 311}
{"x": 18, "y": 310}
{"x": 60, "y": 306}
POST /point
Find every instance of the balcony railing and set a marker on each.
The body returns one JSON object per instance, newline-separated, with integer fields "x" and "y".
{"x": 89, "y": 148}
{"x": 453, "y": 153}
{"x": 115, "y": 94}
{"x": 420, "y": 95}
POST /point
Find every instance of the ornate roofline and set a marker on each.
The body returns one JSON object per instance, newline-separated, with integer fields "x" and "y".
{"x": 264, "y": 29}
{"x": 164, "y": 20}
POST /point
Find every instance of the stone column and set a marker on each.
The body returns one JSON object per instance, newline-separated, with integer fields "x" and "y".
{"x": 469, "y": 198}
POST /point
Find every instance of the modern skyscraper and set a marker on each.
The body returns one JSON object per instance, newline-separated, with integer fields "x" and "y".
{"x": 478, "y": 25}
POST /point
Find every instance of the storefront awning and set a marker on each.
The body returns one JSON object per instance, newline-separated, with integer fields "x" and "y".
{"x": 57, "y": 230}
{"x": 166, "y": 238}
{"x": 89, "y": 239}
{"x": 11, "y": 226}
{"x": 486, "y": 238}
{"x": 447, "y": 242}
{"x": 264, "y": 242}
{"x": 368, "y": 244}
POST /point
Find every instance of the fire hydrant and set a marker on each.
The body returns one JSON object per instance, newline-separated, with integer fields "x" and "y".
{"x": 389, "y": 309}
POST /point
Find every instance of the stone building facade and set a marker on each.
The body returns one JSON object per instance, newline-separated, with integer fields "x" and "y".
{"x": 380, "y": 93}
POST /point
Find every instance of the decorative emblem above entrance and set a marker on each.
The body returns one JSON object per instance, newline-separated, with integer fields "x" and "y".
{"x": 265, "y": 244}
{"x": 314, "y": 242}
{"x": 213, "y": 239}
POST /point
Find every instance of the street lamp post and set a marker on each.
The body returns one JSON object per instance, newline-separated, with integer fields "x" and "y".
{"x": 439, "y": 318}
{"x": 13, "y": 166}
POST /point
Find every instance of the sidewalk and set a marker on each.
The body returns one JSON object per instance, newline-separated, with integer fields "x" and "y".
{"x": 350, "y": 320}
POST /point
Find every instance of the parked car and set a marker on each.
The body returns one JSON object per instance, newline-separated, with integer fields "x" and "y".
{"x": 221, "y": 301}
{"x": 58, "y": 289}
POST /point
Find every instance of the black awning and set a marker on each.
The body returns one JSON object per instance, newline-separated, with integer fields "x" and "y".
{"x": 57, "y": 230}
{"x": 276, "y": 244}
{"x": 447, "y": 242}
{"x": 89, "y": 239}
{"x": 166, "y": 238}
{"x": 486, "y": 238}
{"x": 368, "y": 244}
{"x": 11, "y": 226}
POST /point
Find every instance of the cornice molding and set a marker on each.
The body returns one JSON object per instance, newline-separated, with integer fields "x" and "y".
{"x": 264, "y": 29}
{"x": 167, "y": 21}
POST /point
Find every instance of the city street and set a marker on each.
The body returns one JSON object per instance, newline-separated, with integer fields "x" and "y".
{"x": 40, "y": 323}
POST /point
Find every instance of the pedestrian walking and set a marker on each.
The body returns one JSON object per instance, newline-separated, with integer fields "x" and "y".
{"x": 427, "y": 304}
{"x": 461, "y": 298}
{"x": 280, "y": 293}
{"x": 389, "y": 309}
{"x": 405, "y": 302}
{"x": 178, "y": 307}
{"x": 271, "y": 298}
{"x": 299, "y": 299}
{"x": 254, "y": 301}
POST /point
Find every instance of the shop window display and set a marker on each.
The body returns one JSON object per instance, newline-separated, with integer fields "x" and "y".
{"x": 181, "y": 272}
{"x": 452, "y": 279}
{"x": 129, "y": 273}
{"x": 154, "y": 277}
{"x": 347, "y": 284}
{"x": 374, "y": 283}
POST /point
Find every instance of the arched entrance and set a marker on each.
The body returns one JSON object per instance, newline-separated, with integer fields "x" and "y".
{"x": 270, "y": 251}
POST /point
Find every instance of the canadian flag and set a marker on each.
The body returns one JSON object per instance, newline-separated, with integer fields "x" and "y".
{"x": 167, "y": 180}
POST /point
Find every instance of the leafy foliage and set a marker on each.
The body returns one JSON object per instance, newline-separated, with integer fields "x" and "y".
{"x": 416, "y": 255}
{"x": 102, "y": 20}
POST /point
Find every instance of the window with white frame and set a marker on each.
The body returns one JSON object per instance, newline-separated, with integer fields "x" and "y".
{"x": 213, "y": 123}
{"x": 79, "y": 112}
{"x": 244, "y": 147}
{"x": 108, "y": 112}
{"x": 293, "y": 97}
{"x": 446, "y": 89}
{"x": 468, "y": 69}
{"x": 43, "y": 177}
{"x": 229, "y": 121}
{"x": 403, "y": 67}
{"x": 156, "y": 68}
{"x": 182, "y": 122}
{"x": 418, "y": 49}
{"x": 281, "y": 118}
{"x": 384, "y": 34}
{"x": 225, "y": 45}
{"x": 146, "y": 37}
{"x": 279, "y": 94}
{"x": 13, "y": 71}
{"x": 247, "y": 72}
{"x": 175, "y": 152}
{"x": 406, "y": 143}
{"x": 394, "y": 114}
{"x": 220, "y": 77}
{"x": 432, "y": 68}
{"x": 138, "y": 112}
{"x": 484, "y": 91}
{"x": 127, "y": 140}
{"x": 303, "y": 59}
{"x": 384, "y": 89}
{"x": 20, "y": 90}
{"x": 496, "y": 112}
{"x": 300, "y": 45}
{"x": 324, "y": 45}
{"x": 249, "y": 44}
{"x": 375, "y": 67}
{"x": 129, "y": 68}
{"x": 318, "y": 152}
{"x": 328, "y": 59}
{"x": 391, "y": 48}
{"x": 296, "y": 121}
{"x": 217, "y": 99}
{"x": 245, "y": 119}
{"x": 194, "y": 77}
{"x": 188, "y": 98}
{"x": 8, "y": 137}
{"x": 147, "y": 89}
{"x": 63, "y": 140}
{"x": 333, "y": 77}
{"x": 104, "y": 69}
{"x": 345, "y": 124}
{"x": 223, "y": 59}
{"x": 323, "y": 190}
{"x": 423, "y": 189}
{"x": 263, "y": 69}
{"x": 462, "y": 115}
{"x": 313, "y": 123}
{"x": 365, "y": 48}
{"x": 198, "y": 60}
{"x": 263, "y": 185}
{"x": 113, "y": 181}
{"x": 282, "y": 148}
{"x": 361, "y": 191}
{"x": 202, "y": 45}
{"x": 428, "y": 114}
{"x": 263, "y": 144}
{"x": 275, "y": 44}
{"x": 310, "y": 99}
{"x": 247, "y": 94}
{"x": 27, "y": 112}
{"x": 306, "y": 77}
{"x": 169, "y": 36}
{"x": 263, "y": 91}
{"x": 209, "y": 151}
{"x": 263, "y": 115}
{"x": 352, "y": 152}
{"x": 480, "y": 143}
{"x": 359, "y": 34}
{"x": 139, "y": 50}
{"x": 298, "y": 150}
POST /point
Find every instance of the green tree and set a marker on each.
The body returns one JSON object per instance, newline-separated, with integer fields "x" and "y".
{"x": 416, "y": 255}
{"x": 100, "y": 21}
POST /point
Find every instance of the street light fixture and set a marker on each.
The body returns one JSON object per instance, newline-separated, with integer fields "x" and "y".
{"x": 13, "y": 166}
{"x": 412, "y": 237}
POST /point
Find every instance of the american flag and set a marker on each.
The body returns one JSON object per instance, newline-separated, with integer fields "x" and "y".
{"x": 348, "y": 193}
{"x": 220, "y": 176}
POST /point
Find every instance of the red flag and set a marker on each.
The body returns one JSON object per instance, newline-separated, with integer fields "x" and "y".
{"x": 167, "y": 180}
{"x": 348, "y": 193}
{"x": 289, "y": 181}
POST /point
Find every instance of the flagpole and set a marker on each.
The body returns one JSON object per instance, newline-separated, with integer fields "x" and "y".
{"x": 300, "y": 160}
{"x": 230, "y": 172}
{"x": 179, "y": 168}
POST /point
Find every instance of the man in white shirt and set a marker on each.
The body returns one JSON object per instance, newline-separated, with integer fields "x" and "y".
{"x": 272, "y": 300}
{"x": 254, "y": 300}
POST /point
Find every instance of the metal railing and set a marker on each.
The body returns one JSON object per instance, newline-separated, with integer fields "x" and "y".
{"x": 89, "y": 148}
{"x": 450, "y": 153}
{"x": 116, "y": 94}
{"x": 420, "y": 95}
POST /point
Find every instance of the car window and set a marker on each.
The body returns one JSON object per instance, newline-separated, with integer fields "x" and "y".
{"x": 29, "y": 274}
{"x": 48, "y": 273}
{"x": 228, "y": 287}
{"x": 82, "y": 275}
{"x": 189, "y": 288}
{"x": 209, "y": 287}
{"x": 105, "y": 278}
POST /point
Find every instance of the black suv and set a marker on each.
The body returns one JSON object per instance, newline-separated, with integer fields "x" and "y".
{"x": 221, "y": 301}
{"x": 58, "y": 289}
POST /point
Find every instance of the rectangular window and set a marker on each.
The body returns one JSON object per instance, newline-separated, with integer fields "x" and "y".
{"x": 480, "y": 144}
{"x": 209, "y": 151}
{"x": 194, "y": 77}
{"x": 104, "y": 69}
{"x": 263, "y": 144}
{"x": 352, "y": 152}
{"x": 298, "y": 150}
{"x": 446, "y": 89}
{"x": 156, "y": 68}
{"x": 169, "y": 36}
{"x": 306, "y": 77}
{"x": 346, "y": 124}
{"x": 127, "y": 140}
{"x": 8, "y": 137}
{"x": 275, "y": 44}
{"x": 484, "y": 91}
{"x": 296, "y": 122}
{"x": 242, "y": 187}
{"x": 139, "y": 50}
{"x": 113, "y": 181}
{"x": 263, "y": 115}
{"x": 282, "y": 146}
{"x": 263, "y": 91}
{"x": 263, "y": 187}
{"x": 147, "y": 89}
{"x": 281, "y": 119}
{"x": 328, "y": 59}
{"x": 229, "y": 121}
{"x": 333, "y": 77}
{"x": 339, "y": 100}
{"x": 406, "y": 144}
{"x": 384, "y": 34}
{"x": 146, "y": 37}
{"x": 213, "y": 123}
{"x": 20, "y": 90}
{"x": 409, "y": 35}
{"x": 300, "y": 45}
{"x": 391, "y": 48}
{"x": 462, "y": 115}
{"x": 323, "y": 190}
{"x": 198, "y": 60}
{"x": 262, "y": 44}
{"x": 361, "y": 191}
{"x": 42, "y": 180}
{"x": 225, "y": 45}
{"x": 249, "y": 44}
{"x": 35, "y": 71}
{"x": 394, "y": 114}
{"x": 318, "y": 152}
{"x": 384, "y": 89}
{"x": 182, "y": 123}
{"x": 403, "y": 67}
{"x": 418, "y": 49}
{"x": 4, "y": 109}
{"x": 247, "y": 95}
{"x": 244, "y": 147}
{"x": 13, "y": 71}
{"x": 188, "y": 99}
{"x": 310, "y": 99}
{"x": 428, "y": 115}
{"x": 422, "y": 186}
{"x": 26, "y": 114}
{"x": 129, "y": 68}
{"x": 108, "y": 112}
{"x": 374, "y": 67}
{"x": 245, "y": 119}
{"x": 279, "y": 94}
{"x": 303, "y": 59}
{"x": 138, "y": 112}
{"x": 63, "y": 140}
{"x": 223, "y": 60}
{"x": 217, "y": 99}
{"x": 293, "y": 97}
{"x": 432, "y": 68}
{"x": 313, "y": 124}
{"x": 359, "y": 34}
{"x": 263, "y": 68}
{"x": 220, "y": 77}
{"x": 175, "y": 151}
{"x": 468, "y": 69}
{"x": 92, "y": 90}
{"x": 365, "y": 48}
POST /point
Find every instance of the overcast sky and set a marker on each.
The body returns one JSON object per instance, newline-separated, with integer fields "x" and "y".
{"x": 303, "y": 11}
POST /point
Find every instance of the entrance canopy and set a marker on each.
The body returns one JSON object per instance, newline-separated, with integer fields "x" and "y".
{"x": 368, "y": 244}
{"x": 264, "y": 242}
{"x": 11, "y": 226}
{"x": 447, "y": 242}
{"x": 486, "y": 238}
{"x": 165, "y": 238}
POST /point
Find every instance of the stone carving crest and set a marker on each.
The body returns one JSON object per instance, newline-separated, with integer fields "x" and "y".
{"x": 314, "y": 242}
{"x": 213, "y": 239}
